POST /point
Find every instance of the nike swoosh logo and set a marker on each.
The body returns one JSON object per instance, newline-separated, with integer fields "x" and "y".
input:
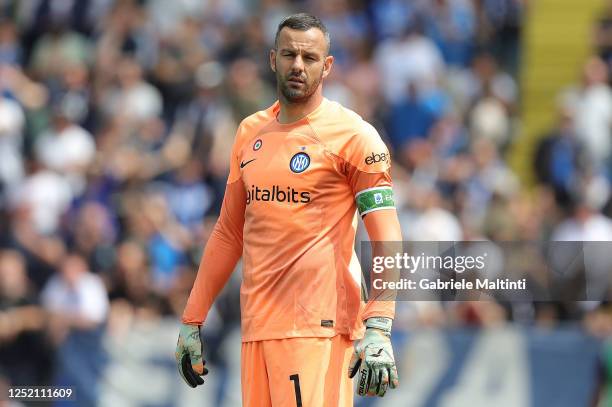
{"x": 244, "y": 163}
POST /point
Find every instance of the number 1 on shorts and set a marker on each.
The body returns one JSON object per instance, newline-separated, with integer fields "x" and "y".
{"x": 296, "y": 384}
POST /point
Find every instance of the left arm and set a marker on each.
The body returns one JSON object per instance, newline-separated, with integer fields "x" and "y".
{"x": 368, "y": 174}
{"x": 383, "y": 226}
{"x": 373, "y": 361}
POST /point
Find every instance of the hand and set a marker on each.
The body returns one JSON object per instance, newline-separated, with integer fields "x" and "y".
{"x": 189, "y": 355}
{"x": 373, "y": 359}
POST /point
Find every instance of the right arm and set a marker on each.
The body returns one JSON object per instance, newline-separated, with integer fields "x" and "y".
{"x": 221, "y": 254}
{"x": 223, "y": 249}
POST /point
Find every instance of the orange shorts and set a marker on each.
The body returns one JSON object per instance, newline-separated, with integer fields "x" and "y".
{"x": 302, "y": 372}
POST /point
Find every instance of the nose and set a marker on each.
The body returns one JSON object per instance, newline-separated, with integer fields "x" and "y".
{"x": 298, "y": 64}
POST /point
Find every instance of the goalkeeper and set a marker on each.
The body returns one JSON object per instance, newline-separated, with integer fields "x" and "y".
{"x": 300, "y": 173}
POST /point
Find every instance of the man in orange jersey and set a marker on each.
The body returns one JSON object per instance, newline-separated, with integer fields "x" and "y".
{"x": 300, "y": 172}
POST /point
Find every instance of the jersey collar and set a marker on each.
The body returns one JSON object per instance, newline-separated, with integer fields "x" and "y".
{"x": 275, "y": 109}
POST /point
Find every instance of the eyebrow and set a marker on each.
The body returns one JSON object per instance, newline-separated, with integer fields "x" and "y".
{"x": 294, "y": 51}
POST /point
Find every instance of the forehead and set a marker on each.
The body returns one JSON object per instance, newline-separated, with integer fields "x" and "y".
{"x": 312, "y": 39}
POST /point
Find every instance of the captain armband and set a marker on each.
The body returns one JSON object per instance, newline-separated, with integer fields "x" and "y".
{"x": 374, "y": 199}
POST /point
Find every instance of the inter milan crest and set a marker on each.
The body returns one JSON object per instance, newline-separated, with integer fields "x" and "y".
{"x": 257, "y": 144}
{"x": 299, "y": 162}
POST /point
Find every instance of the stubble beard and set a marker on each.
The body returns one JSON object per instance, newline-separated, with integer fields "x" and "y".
{"x": 292, "y": 95}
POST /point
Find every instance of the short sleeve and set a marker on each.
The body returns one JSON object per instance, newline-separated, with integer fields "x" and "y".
{"x": 368, "y": 171}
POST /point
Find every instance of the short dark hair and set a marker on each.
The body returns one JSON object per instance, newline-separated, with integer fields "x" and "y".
{"x": 302, "y": 22}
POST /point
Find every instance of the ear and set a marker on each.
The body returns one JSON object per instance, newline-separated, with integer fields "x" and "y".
{"x": 327, "y": 65}
{"x": 273, "y": 60}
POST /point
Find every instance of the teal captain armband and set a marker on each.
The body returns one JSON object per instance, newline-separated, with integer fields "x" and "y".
{"x": 374, "y": 199}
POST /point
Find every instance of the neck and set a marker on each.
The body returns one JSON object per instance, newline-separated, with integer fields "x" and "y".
{"x": 292, "y": 112}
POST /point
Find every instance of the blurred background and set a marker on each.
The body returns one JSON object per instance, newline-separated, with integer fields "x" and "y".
{"x": 116, "y": 122}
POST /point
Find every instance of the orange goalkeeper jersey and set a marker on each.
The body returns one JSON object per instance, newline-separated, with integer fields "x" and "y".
{"x": 290, "y": 210}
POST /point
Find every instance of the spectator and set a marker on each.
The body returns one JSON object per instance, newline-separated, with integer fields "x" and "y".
{"x": 132, "y": 282}
{"x": 77, "y": 303}
{"x": 56, "y": 49}
{"x": 489, "y": 175}
{"x": 45, "y": 196}
{"x": 489, "y": 119}
{"x": 180, "y": 55}
{"x": 12, "y": 121}
{"x": 363, "y": 79}
{"x": 434, "y": 223}
{"x": 559, "y": 160}
{"x": 486, "y": 77}
{"x": 189, "y": 199}
{"x": 593, "y": 113}
{"x": 126, "y": 31}
{"x": 452, "y": 25}
{"x": 499, "y": 30}
{"x": 93, "y": 236}
{"x": 10, "y": 49}
{"x": 74, "y": 97}
{"x": 24, "y": 354}
{"x": 411, "y": 58}
{"x": 132, "y": 100}
{"x": 390, "y": 17}
{"x": 67, "y": 149}
{"x": 247, "y": 92}
{"x": 167, "y": 243}
{"x": 584, "y": 224}
{"x": 346, "y": 25}
{"x": 410, "y": 119}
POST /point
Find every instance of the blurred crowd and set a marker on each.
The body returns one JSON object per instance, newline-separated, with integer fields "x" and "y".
{"x": 117, "y": 118}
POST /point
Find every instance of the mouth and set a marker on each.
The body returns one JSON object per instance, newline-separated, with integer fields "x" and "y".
{"x": 295, "y": 81}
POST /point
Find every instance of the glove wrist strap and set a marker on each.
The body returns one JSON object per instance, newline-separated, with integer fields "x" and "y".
{"x": 382, "y": 323}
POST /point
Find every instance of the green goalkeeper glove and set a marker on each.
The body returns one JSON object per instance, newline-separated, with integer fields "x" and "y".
{"x": 373, "y": 359}
{"x": 189, "y": 355}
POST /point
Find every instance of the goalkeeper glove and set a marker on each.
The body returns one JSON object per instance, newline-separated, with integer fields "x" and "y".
{"x": 373, "y": 359}
{"x": 189, "y": 355}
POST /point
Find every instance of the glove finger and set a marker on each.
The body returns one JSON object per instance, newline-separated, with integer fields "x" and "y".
{"x": 393, "y": 377}
{"x": 384, "y": 382}
{"x": 192, "y": 376}
{"x": 365, "y": 379}
{"x": 180, "y": 369}
{"x": 197, "y": 363}
{"x": 375, "y": 376}
{"x": 187, "y": 373}
{"x": 179, "y": 351}
{"x": 204, "y": 369}
{"x": 354, "y": 365}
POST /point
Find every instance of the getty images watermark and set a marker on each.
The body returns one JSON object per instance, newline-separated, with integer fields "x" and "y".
{"x": 508, "y": 271}
{"x": 412, "y": 264}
